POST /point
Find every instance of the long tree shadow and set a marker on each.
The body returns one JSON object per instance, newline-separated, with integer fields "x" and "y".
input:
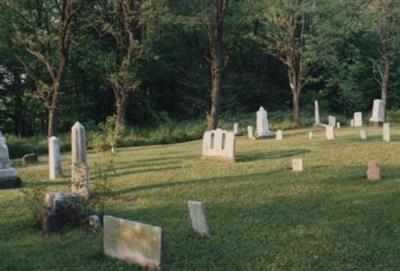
{"x": 144, "y": 170}
{"x": 268, "y": 155}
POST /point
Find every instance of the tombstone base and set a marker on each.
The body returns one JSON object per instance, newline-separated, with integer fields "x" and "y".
{"x": 59, "y": 210}
{"x": 271, "y": 135}
{"x": 10, "y": 182}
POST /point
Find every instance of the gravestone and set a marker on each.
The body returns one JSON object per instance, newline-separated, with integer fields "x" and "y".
{"x": 279, "y": 135}
{"x": 338, "y": 125}
{"x": 310, "y": 135}
{"x": 54, "y": 158}
{"x": 30, "y": 158}
{"x": 386, "y": 132}
{"x": 8, "y": 174}
{"x": 262, "y": 123}
{"x": 79, "y": 167}
{"x": 236, "y": 128}
{"x": 132, "y": 242}
{"x": 374, "y": 171}
{"x": 363, "y": 134}
{"x": 250, "y": 132}
{"x": 357, "y": 118}
{"x": 352, "y": 123}
{"x": 316, "y": 113}
{"x": 378, "y": 112}
{"x": 330, "y": 132}
{"x": 219, "y": 144}
{"x": 198, "y": 218}
{"x": 297, "y": 164}
{"x": 331, "y": 121}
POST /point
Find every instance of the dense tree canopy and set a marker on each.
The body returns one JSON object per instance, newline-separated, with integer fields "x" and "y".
{"x": 146, "y": 61}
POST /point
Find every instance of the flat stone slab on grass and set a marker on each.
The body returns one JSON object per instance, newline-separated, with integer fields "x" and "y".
{"x": 132, "y": 242}
{"x": 198, "y": 218}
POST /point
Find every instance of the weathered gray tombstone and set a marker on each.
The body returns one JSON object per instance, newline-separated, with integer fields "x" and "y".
{"x": 316, "y": 113}
{"x": 374, "y": 171}
{"x": 132, "y": 242}
{"x": 250, "y": 132}
{"x": 386, "y": 132}
{"x": 54, "y": 158}
{"x": 310, "y": 135}
{"x": 297, "y": 164}
{"x": 30, "y": 158}
{"x": 8, "y": 174}
{"x": 357, "y": 118}
{"x": 198, "y": 218}
{"x": 330, "y": 132}
{"x": 279, "y": 135}
{"x": 332, "y": 121}
{"x": 219, "y": 144}
{"x": 79, "y": 166}
{"x": 262, "y": 124}
{"x": 363, "y": 134}
{"x": 378, "y": 112}
{"x": 236, "y": 128}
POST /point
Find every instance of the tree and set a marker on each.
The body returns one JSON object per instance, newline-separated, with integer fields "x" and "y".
{"x": 386, "y": 14}
{"x": 43, "y": 30}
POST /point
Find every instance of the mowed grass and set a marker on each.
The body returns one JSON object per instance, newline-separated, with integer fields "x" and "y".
{"x": 262, "y": 215}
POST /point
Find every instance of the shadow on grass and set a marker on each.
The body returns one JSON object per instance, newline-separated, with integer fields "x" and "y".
{"x": 144, "y": 170}
{"x": 253, "y": 156}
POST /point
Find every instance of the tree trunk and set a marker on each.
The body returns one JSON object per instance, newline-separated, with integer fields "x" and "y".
{"x": 217, "y": 62}
{"x": 51, "y": 121}
{"x": 385, "y": 83}
{"x": 296, "y": 109}
{"x": 296, "y": 87}
{"x": 121, "y": 104}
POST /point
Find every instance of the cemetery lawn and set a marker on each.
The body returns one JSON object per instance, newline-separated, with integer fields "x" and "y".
{"x": 261, "y": 215}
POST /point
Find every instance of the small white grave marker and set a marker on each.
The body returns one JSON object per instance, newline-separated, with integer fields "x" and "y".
{"x": 310, "y": 135}
{"x": 198, "y": 218}
{"x": 363, "y": 134}
{"x": 386, "y": 132}
{"x": 331, "y": 121}
{"x": 236, "y": 128}
{"x": 250, "y": 132}
{"x": 357, "y": 118}
{"x": 279, "y": 135}
{"x": 297, "y": 164}
{"x": 338, "y": 125}
{"x": 330, "y": 132}
{"x": 378, "y": 112}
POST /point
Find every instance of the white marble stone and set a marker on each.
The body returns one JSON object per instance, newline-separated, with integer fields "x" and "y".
{"x": 6, "y": 171}
{"x": 236, "y": 128}
{"x": 310, "y": 135}
{"x": 386, "y": 132}
{"x": 133, "y": 242}
{"x": 198, "y": 218}
{"x": 279, "y": 135}
{"x": 79, "y": 166}
{"x": 363, "y": 134}
{"x": 331, "y": 121}
{"x": 297, "y": 164}
{"x": 54, "y": 158}
{"x": 338, "y": 125}
{"x": 378, "y": 111}
{"x": 262, "y": 123}
{"x": 352, "y": 123}
{"x": 330, "y": 132}
{"x": 250, "y": 132}
{"x": 219, "y": 144}
{"x": 316, "y": 113}
{"x": 357, "y": 119}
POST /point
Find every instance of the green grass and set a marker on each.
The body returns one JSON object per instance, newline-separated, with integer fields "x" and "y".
{"x": 262, "y": 215}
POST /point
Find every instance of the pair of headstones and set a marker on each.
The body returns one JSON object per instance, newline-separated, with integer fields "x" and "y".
{"x": 140, "y": 243}
{"x": 219, "y": 144}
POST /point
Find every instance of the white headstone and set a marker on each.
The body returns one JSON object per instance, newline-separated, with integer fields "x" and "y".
{"x": 262, "y": 123}
{"x": 250, "y": 132}
{"x": 6, "y": 171}
{"x": 54, "y": 158}
{"x": 331, "y": 121}
{"x": 330, "y": 132}
{"x": 378, "y": 111}
{"x": 219, "y": 144}
{"x": 279, "y": 135}
{"x": 352, "y": 123}
{"x": 79, "y": 166}
{"x": 310, "y": 135}
{"x": 297, "y": 164}
{"x": 198, "y": 218}
{"x": 316, "y": 113}
{"x": 133, "y": 242}
{"x": 386, "y": 132}
{"x": 363, "y": 134}
{"x": 236, "y": 128}
{"x": 338, "y": 125}
{"x": 358, "y": 122}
